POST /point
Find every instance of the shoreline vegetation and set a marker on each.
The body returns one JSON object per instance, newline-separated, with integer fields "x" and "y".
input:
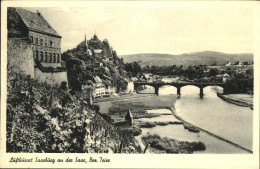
{"x": 171, "y": 146}
{"x": 243, "y": 100}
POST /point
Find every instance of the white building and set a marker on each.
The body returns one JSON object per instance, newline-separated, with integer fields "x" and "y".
{"x": 97, "y": 52}
{"x": 109, "y": 89}
{"x": 238, "y": 63}
{"x": 228, "y": 64}
{"x": 99, "y": 87}
{"x": 224, "y": 77}
{"x": 130, "y": 86}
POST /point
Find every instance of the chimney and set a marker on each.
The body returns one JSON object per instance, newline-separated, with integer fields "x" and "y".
{"x": 38, "y": 12}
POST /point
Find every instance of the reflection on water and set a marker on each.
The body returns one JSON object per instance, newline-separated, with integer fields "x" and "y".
{"x": 211, "y": 113}
{"x": 227, "y": 120}
{"x": 178, "y": 132}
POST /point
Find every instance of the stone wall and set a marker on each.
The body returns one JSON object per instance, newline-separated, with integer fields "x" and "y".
{"x": 20, "y": 56}
{"x": 50, "y": 77}
{"x": 54, "y": 65}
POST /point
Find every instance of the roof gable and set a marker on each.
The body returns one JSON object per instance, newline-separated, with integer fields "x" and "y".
{"x": 36, "y": 22}
{"x": 97, "y": 79}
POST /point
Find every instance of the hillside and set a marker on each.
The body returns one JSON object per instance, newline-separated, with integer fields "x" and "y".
{"x": 195, "y": 58}
{"x": 92, "y": 58}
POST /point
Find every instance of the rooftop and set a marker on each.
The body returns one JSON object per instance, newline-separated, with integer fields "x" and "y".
{"x": 97, "y": 51}
{"x": 36, "y": 22}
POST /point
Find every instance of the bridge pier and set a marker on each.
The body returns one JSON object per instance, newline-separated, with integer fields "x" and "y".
{"x": 156, "y": 90}
{"x": 201, "y": 92}
{"x": 178, "y": 91}
{"x": 135, "y": 87}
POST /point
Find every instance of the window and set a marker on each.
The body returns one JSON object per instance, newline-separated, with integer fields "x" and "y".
{"x": 50, "y": 58}
{"x": 41, "y": 42}
{"x": 51, "y": 43}
{"x": 41, "y": 55}
{"x": 36, "y": 55}
{"x": 46, "y": 57}
{"x": 37, "y": 41}
{"x": 54, "y": 57}
{"x": 58, "y": 58}
{"x": 31, "y": 37}
{"x": 46, "y": 44}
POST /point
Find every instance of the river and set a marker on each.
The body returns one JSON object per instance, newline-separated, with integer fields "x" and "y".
{"x": 211, "y": 113}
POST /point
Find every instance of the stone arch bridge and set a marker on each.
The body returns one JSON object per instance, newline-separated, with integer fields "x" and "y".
{"x": 157, "y": 85}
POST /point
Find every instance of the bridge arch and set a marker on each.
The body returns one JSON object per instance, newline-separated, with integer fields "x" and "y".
{"x": 167, "y": 89}
{"x": 140, "y": 87}
{"x": 189, "y": 88}
{"x": 217, "y": 88}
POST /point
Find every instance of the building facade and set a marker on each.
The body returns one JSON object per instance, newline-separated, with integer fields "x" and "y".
{"x": 45, "y": 43}
{"x": 99, "y": 87}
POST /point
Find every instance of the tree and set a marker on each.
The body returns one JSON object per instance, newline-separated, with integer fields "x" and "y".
{"x": 214, "y": 64}
{"x": 213, "y": 72}
{"x": 190, "y": 72}
{"x": 240, "y": 83}
{"x": 76, "y": 73}
{"x": 146, "y": 68}
{"x": 133, "y": 67}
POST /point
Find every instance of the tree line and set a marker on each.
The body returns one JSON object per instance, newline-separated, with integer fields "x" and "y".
{"x": 238, "y": 82}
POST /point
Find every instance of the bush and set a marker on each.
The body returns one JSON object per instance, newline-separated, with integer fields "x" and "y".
{"x": 96, "y": 108}
{"x": 147, "y": 124}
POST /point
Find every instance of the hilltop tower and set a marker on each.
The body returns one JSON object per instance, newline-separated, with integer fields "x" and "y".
{"x": 86, "y": 42}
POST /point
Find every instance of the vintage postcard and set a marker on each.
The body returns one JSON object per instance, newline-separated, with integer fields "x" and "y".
{"x": 130, "y": 84}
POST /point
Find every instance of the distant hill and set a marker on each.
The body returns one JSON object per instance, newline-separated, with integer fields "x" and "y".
{"x": 195, "y": 58}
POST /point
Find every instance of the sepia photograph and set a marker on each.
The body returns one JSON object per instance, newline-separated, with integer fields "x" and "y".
{"x": 129, "y": 78}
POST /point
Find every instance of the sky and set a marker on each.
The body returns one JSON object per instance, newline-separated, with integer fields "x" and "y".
{"x": 167, "y": 30}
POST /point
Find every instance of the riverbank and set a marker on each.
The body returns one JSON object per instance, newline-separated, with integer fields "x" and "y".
{"x": 238, "y": 99}
{"x": 208, "y": 132}
{"x": 149, "y": 112}
{"x": 117, "y": 109}
{"x": 156, "y": 120}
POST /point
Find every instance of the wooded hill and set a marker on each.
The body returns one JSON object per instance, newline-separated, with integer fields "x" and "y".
{"x": 195, "y": 58}
{"x": 85, "y": 61}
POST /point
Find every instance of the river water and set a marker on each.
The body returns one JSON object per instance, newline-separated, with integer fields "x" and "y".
{"x": 232, "y": 122}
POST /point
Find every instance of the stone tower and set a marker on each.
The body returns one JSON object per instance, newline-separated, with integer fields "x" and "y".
{"x": 86, "y": 42}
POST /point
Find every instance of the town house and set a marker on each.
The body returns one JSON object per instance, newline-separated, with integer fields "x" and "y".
{"x": 45, "y": 44}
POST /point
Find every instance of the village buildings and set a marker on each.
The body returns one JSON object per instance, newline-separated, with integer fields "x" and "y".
{"x": 228, "y": 64}
{"x": 238, "y": 63}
